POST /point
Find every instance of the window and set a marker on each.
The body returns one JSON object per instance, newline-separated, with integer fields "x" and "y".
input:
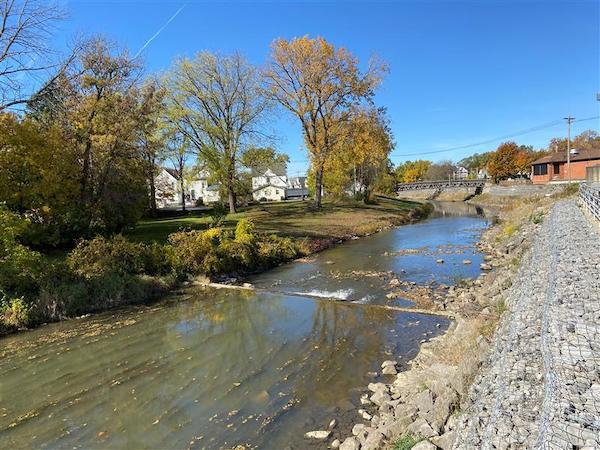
{"x": 540, "y": 169}
{"x": 193, "y": 194}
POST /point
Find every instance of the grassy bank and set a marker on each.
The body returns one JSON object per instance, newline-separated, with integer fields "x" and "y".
{"x": 159, "y": 254}
{"x": 296, "y": 219}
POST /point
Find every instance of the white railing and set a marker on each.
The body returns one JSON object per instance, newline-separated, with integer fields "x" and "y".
{"x": 589, "y": 197}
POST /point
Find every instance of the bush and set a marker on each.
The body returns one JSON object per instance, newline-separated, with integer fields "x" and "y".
{"x": 101, "y": 256}
{"x": 273, "y": 250}
{"x": 14, "y": 314}
{"x": 20, "y": 267}
{"x": 218, "y": 215}
{"x": 189, "y": 249}
{"x": 245, "y": 231}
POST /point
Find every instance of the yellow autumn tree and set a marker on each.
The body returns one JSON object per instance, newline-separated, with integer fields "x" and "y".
{"x": 319, "y": 84}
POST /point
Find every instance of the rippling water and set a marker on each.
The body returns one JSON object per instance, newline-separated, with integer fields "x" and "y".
{"x": 225, "y": 367}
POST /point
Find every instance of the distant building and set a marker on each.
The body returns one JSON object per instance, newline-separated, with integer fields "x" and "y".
{"x": 274, "y": 185}
{"x": 460, "y": 173}
{"x": 552, "y": 168}
{"x": 269, "y": 185}
{"x": 168, "y": 189}
{"x": 297, "y": 188}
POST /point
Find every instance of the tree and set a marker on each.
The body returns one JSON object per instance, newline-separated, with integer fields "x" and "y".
{"x": 151, "y": 134}
{"x": 318, "y": 83}
{"x": 503, "y": 162}
{"x": 217, "y": 103}
{"x": 26, "y": 28}
{"x": 440, "y": 171}
{"x": 96, "y": 107}
{"x": 178, "y": 152}
{"x": 359, "y": 162}
{"x": 259, "y": 159}
{"x": 412, "y": 171}
{"x": 583, "y": 141}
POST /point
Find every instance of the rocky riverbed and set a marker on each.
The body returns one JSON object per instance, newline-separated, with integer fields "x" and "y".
{"x": 420, "y": 406}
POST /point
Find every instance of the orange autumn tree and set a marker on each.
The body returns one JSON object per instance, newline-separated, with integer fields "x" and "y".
{"x": 503, "y": 162}
{"x": 319, "y": 84}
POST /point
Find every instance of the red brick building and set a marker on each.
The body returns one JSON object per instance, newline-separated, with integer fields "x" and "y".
{"x": 553, "y": 167}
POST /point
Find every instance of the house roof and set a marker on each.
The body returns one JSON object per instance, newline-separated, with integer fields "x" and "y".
{"x": 213, "y": 187}
{"x": 277, "y": 170}
{"x": 301, "y": 181}
{"x": 171, "y": 171}
{"x": 581, "y": 155}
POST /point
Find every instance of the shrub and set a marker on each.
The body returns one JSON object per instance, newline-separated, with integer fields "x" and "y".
{"x": 218, "y": 215}
{"x": 20, "y": 267}
{"x": 189, "y": 250}
{"x": 245, "y": 231}
{"x": 101, "y": 256}
{"x": 273, "y": 250}
{"x": 14, "y": 314}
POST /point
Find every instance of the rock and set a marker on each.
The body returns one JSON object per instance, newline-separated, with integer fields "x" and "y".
{"x": 445, "y": 441}
{"x": 332, "y": 424}
{"x": 394, "y": 282}
{"x": 335, "y": 444}
{"x": 424, "y": 401}
{"x": 373, "y": 441}
{"x": 424, "y": 445}
{"x": 364, "y": 399}
{"x": 389, "y": 362}
{"x": 319, "y": 434}
{"x": 466, "y": 261}
{"x": 364, "y": 414}
{"x": 380, "y": 397}
{"x": 358, "y": 429}
{"x": 376, "y": 387}
{"x": 485, "y": 266}
{"x": 421, "y": 428}
{"x": 389, "y": 370}
{"x": 248, "y": 285}
{"x": 350, "y": 443}
{"x": 439, "y": 261}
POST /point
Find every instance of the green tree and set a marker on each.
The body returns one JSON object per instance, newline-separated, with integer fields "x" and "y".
{"x": 217, "y": 103}
{"x": 412, "y": 171}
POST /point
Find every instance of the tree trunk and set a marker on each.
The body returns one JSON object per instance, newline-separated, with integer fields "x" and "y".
{"x": 231, "y": 196}
{"x": 153, "y": 207}
{"x": 230, "y": 190}
{"x": 182, "y": 187}
{"x": 318, "y": 186}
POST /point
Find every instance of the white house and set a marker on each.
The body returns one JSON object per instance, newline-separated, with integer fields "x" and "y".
{"x": 460, "y": 173}
{"x": 269, "y": 185}
{"x": 168, "y": 189}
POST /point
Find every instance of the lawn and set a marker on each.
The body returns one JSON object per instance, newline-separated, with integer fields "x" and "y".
{"x": 294, "y": 219}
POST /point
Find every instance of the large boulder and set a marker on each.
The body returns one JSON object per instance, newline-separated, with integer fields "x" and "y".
{"x": 424, "y": 445}
{"x": 445, "y": 441}
{"x": 350, "y": 443}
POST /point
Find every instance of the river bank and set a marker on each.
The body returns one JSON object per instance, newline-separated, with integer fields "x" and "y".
{"x": 419, "y": 408}
{"x": 109, "y": 273}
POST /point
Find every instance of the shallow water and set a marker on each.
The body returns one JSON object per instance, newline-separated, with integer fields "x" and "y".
{"x": 226, "y": 367}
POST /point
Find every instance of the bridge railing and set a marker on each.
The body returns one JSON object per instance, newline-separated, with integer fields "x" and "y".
{"x": 589, "y": 197}
{"x": 439, "y": 184}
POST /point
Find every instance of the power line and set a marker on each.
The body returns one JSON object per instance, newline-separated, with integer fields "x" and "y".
{"x": 499, "y": 138}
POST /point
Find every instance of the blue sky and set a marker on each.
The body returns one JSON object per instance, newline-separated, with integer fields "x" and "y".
{"x": 461, "y": 72}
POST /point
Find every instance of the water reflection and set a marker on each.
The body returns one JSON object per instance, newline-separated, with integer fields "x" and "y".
{"x": 223, "y": 367}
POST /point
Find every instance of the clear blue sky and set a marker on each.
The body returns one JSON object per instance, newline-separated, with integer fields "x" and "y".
{"x": 460, "y": 71}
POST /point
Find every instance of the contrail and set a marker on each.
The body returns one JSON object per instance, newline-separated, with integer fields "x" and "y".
{"x": 160, "y": 30}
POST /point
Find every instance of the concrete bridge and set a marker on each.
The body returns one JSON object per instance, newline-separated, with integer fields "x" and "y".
{"x": 433, "y": 189}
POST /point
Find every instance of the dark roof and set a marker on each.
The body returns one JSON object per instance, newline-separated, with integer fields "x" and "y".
{"x": 213, "y": 187}
{"x": 581, "y": 155}
{"x": 173, "y": 172}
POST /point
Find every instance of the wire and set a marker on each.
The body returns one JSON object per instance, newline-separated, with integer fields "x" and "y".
{"x": 499, "y": 138}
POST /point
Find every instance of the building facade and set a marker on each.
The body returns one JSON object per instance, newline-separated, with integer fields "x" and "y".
{"x": 553, "y": 168}
{"x": 196, "y": 190}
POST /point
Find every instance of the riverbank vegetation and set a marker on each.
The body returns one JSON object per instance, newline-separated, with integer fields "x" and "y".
{"x": 108, "y": 272}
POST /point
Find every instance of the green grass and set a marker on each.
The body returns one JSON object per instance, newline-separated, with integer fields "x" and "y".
{"x": 405, "y": 442}
{"x": 292, "y": 219}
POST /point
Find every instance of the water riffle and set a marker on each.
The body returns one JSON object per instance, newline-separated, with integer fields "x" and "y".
{"x": 222, "y": 368}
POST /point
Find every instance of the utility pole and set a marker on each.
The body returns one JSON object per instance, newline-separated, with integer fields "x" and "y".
{"x": 569, "y": 121}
